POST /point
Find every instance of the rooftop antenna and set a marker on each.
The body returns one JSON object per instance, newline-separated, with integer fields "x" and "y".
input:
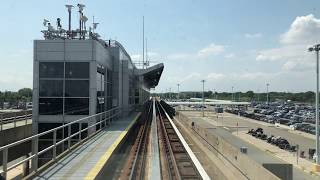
{"x": 69, "y": 12}
{"x": 147, "y": 62}
{"x": 94, "y": 25}
{"x": 59, "y": 26}
{"x": 80, "y": 6}
{"x": 84, "y": 19}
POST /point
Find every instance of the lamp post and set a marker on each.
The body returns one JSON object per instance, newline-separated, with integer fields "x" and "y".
{"x": 232, "y": 93}
{"x": 203, "y": 96}
{"x": 178, "y": 91}
{"x": 267, "y": 93}
{"x": 315, "y": 48}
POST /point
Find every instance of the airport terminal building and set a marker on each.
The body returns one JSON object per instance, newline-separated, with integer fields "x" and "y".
{"x": 75, "y": 78}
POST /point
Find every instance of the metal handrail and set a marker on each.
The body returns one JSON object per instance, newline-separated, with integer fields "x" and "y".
{"x": 34, "y": 155}
{"x": 14, "y": 119}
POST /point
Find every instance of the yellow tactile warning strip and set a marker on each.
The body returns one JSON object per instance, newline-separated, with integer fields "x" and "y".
{"x": 102, "y": 161}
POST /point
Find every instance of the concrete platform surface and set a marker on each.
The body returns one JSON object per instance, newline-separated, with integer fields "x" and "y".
{"x": 85, "y": 160}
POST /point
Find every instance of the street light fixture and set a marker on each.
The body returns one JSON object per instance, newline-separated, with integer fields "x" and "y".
{"x": 178, "y": 91}
{"x": 315, "y": 48}
{"x": 232, "y": 93}
{"x": 268, "y": 93}
{"x": 203, "y": 96}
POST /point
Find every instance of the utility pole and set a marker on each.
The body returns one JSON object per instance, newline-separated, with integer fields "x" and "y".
{"x": 316, "y": 49}
{"x": 203, "y": 96}
{"x": 178, "y": 91}
{"x": 232, "y": 93}
{"x": 268, "y": 93}
{"x": 142, "y": 42}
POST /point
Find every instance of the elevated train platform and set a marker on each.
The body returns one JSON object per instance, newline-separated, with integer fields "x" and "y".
{"x": 87, "y": 161}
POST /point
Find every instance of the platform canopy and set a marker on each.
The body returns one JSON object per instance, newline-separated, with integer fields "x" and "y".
{"x": 151, "y": 75}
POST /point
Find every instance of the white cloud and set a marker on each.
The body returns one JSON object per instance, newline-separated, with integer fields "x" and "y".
{"x": 136, "y": 57}
{"x": 216, "y": 76}
{"x": 211, "y": 49}
{"x": 179, "y": 56}
{"x": 229, "y": 56}
{"x": 294, "y": 43}
{"x": 208, "y": 51}
{"x": 304, "y": 30}
{"x": 251, "y": 36}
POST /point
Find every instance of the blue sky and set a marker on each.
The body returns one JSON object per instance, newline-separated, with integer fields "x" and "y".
{"x": 240, "y": 43}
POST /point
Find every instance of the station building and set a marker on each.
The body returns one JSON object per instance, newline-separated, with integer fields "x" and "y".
{"x": 75, "y": 78}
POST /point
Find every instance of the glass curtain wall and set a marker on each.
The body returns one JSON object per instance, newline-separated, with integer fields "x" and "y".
{"x": 64, "y": 88}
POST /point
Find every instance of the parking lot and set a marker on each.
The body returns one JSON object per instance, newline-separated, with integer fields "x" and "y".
{"x": 232, "y": 123}
{"x": 227, "y": 124}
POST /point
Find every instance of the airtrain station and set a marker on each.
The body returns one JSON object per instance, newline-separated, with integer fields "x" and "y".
{"x": 94, "y": 117}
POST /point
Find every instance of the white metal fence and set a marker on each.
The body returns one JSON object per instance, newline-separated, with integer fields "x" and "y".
{"x": 101, "y": 119}
{"x": 14, "y": 117}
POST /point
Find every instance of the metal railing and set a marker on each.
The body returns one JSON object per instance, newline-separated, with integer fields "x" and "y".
{"x": 101, "y": 119}
{"x": 14, "y": 118}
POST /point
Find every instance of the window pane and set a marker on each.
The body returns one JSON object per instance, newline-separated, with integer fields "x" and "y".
{"x": 51, "y": 88}
{"x": 51, "y": 69}
{"x": 50, "y": 106}
{"x": 77, "y": 70}
{"x": 77, "y": 106}
{"x": 77, "y": 88}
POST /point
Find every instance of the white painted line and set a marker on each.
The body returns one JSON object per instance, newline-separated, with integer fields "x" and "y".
{"x": 226, "y": 128}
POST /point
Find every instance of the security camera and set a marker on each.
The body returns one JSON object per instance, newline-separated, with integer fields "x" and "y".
{"x": 81, "y": 6}
{"x": 310, "y": 49}
{"x": 45, "y": 21}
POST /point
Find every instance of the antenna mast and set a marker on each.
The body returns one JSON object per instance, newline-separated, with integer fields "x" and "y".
{"x": 142, "y": 42}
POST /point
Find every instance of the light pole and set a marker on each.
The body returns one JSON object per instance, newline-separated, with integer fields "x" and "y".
{"x": 178, "y": 91}
{"x": 170, "y": 94}
{"x": 203, "y": 96}
{"x": 258, "y": 95}
{"x": 232, "y": 93}
{"x": 316, "y": 49}
{"x": 268, "y": 93}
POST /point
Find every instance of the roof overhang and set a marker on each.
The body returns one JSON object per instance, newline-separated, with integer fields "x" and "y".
{"x": 151, "y": 76}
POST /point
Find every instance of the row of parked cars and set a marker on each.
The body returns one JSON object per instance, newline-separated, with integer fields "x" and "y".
{"x": 281, "y": 142}
{"x": 296, "y": 116}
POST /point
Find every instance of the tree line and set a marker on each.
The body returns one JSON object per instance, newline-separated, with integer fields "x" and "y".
{"x": 249, "y": 96}
{"x": 13, "y": 98}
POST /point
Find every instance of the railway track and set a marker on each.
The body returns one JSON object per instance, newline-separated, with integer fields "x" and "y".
{"x": 175, "y": 160}
{"x": 179, "y": 165}
{"x": 135, "y": 164}
{"x": 6, "y": 118}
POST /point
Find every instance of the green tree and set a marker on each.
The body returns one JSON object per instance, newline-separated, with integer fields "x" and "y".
{"x": 250, "y": 94}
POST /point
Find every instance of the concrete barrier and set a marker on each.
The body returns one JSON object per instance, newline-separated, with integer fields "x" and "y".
{"x": 15, "y": 134}
{"x": 248, "y": 167}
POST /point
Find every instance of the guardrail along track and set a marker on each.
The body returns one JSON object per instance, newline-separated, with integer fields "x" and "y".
{"x": 177, "y": 161}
